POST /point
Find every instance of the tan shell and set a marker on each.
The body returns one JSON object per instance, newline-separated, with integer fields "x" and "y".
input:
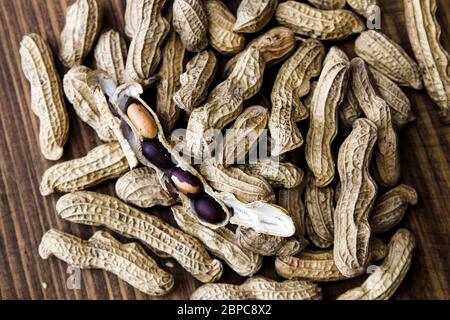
{"x": 96, "y": 209}
{"x": 133, "y": 92}
{"x": 225, "y": 103}
{"x": 278, "y": 174}
{"x": 308, "y": 98}
{"x": 79, "y": 86}
{"x": 102, "y": 251}
{"x": 291, "y": 200}
{"x": 292, "y": 83}
{"x": 323, "y": 116}
{"x": 267, "y": 245}
{"x": 100, "y": 164}
{"x": 424, "y": 32}
{"x": 389, "y": 58}
{"x": 220, "y": 242}
{"x": 387, "y": 154}
{"x": 319, "y": 24}
{"x": 134, "y": 15}
{"x": 259, "y": 288}
{"x": 195, "y": 81}
{"x": 144, "y": 53}
{"x": 320, "y": 210}
{"x": 349, "y": 109}
{"x": 141, "y": 187}
{"x": 397, "y": 100}
{"x": 253, "y": 15}
{"x": 221, "y": 34}
{"x": 390, "y": 208}
{"x": 274, "y": 46}
{"x": 328, "y": 4}
{"x": 111, "y": 54}
{"x": 83, "y": 25}
{"x": 168, "y": 81}
{"x": 386, "y": 279}
{"x": 244, "y": 135}
{"x": 356, "y": 199}
{"x": 191, "y": 23}
{"x": 47, "y": 100}
{"x": 319, "y": 266}
{"x": 362, "y": 7}
{"x": 244, "y": 187}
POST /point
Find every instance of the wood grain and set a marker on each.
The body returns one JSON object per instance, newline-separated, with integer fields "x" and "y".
{"x": 25, "y": 216}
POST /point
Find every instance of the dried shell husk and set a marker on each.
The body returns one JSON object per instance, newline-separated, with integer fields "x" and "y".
{"x": 191, "y": 23}
{"x": 308, "y": 98}
{"x": 274, "y": 46}
{"x": 390, "y": 208}
{"x": 319, "y": 266}
{"x": 397, "y": 100}
{"x": 83, "y": 25}
{"x": 243, "y": 136}
{"x": 195, "y": 81}
{"x": 362, "y": 7}
{"x": 132, "y": 92}
{"x": 292, "y": 83}
{"x": 320, "y": 209}
{"x": 100, "y": 164}
{"x": 244, "y": 187}
{"x": 424, "y": 32}
{"x": 102, "y": 251}
{"x": 47, "y": 100}
{"x": 221, "y": 34}
{"x": 134, "y": 14}
{"x": 144, "y": 53}
{"x": 320, "y": 24}
{"x": 79, "y": 86}
{"x": 349, "y": 109}
{"x": 328, "y": 4}
{"x": 278, "y": 174}
{"x": 141, "y": 187}
{"x": 96, "y": 209}
{"x": 291, "y": 200}
{"x": 225, "y": 103}
{"x": 111, "y": 54}
{"x": 267, "y": 245}
{"x": 324, "y": 116}
{"x": 220, "y": 242}
{"x": 169, "y": 81}
{"x": 259, "y": 288}
{"x": 356, "y": 199}
{"x": 253, "y": 15}
{"x": 386, "y": 279}
{"x": 387, "y": 154}
{"x": 389, "y": 58}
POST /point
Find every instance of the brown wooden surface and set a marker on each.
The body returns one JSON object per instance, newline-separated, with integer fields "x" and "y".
{"x": 25, "y": 216}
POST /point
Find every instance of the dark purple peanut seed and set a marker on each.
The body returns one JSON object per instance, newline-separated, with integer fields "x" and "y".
{"x": 186, "y": 183}
{"x": 157, "y": 154}
{"x": 209, "y": 209}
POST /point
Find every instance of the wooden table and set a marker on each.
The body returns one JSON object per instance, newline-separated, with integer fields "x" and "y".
{"x": 25, "y": 216}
